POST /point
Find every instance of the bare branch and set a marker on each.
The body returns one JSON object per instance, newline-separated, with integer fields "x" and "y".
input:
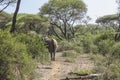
{"x": 5, "y": 7}
{"x": 7, "y": 4}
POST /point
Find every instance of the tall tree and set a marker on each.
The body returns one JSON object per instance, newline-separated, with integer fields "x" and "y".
{"x": 63, "y": 14}
{"x": 14, "y": 16}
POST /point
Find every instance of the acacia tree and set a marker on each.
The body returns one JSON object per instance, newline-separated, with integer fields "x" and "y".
{"x": 5, "y": 3}
{"x": 30, "y": 23}
{"x": 108, "y": 21}
{"x": 63, "y": 14}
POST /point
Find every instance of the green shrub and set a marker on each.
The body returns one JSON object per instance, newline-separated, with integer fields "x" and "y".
{"x": 35, "y": 46}
{"x": 94, "y": 49}
{"x": 115, "y": 51}
{"x": 109, "y": 71}
{"x": 108, "y": 66}
{"x": 65, "y": 45}
{"x": 105, "y": 46}
{"x": 105, "y": 35}
{"x": 69, "y": 53}
{"x": 96, "y": 57}
{"x": 15, "y": 63}
{"x": 70, "y": 60}
{"x": 87, "y": 41}
{"x": 78, "y": 49}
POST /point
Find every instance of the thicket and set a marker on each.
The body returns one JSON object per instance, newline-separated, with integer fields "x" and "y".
{"x": 18, "y": 55}
{"x": 35, "y": 46}
{"x": 105, "y": 50}
{"x": 15, "y": 63}
{"x": 100, "y": 42}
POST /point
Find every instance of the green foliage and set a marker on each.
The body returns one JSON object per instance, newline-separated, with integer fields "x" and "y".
{"x": 105, "y": 35}
{"x": 108, "y": 66}
{"x": 87, "y": 41}
{"x": 15, "y": 63}
{"x": 103, "y": 43}
{"x": 107, "y": 18}
{"x": 69, "y": 53}
{"x": 4, "y": 19}
{"x": 78, "y": 49}
{"x": 105, "y": 46}
{"x": 65, "y": 45}
{"x": 70, "y": 60}
{"x": 30, "y": 22}
{"x": 60, "y": 6}
{"x": 94, "y": 49}
{"x": 63, "y": 14}
{"x": 115, "y": 51}
{"x": 35, "y": 46}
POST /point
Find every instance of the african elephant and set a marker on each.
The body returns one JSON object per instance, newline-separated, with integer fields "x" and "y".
{"x": 51, "y": 44}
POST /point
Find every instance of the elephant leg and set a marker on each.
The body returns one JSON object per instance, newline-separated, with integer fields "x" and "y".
{"x": 51, "y": 55}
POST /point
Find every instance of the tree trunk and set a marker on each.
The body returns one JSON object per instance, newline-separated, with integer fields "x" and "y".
{"x": 14, "y": 17}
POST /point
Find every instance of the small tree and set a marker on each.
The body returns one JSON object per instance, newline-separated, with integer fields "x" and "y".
{"x": 63, "y": 14}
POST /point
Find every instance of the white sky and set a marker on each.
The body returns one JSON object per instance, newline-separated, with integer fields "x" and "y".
{"x": 96, "y": 8}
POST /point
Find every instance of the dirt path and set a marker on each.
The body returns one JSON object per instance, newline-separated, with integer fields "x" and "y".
{"x": 59, "y": 69}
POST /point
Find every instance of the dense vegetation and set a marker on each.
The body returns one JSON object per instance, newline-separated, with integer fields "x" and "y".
{"x": 20, "y": 51}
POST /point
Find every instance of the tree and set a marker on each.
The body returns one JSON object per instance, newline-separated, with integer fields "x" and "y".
{"x": 30, "y": 22}
{"x": 108, "y": 21}
{"x": 63, "y": 14}
{"x": 5, "y": 3}
{"x": 14, "y": 16}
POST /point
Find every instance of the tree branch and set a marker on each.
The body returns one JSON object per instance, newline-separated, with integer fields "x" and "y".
{"x": 7, "y": 4}
{"x": 56, "y": 33}
{"x": 5, "y": 7}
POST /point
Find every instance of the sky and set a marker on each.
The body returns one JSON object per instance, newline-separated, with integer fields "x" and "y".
{"x": 96, "y": 8}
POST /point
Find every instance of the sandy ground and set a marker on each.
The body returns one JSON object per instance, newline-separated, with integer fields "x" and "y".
{"x": 59, "y": 69}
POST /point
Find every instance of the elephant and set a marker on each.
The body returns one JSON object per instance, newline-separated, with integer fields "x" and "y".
{"x": 52, "y": 46}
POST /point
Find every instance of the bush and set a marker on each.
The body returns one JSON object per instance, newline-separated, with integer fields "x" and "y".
{"x": 15, "y": 63}
{"x": 87, "y": 41}
{"x": 108, "y": 66}
{"x": 94, "y": 49}
{"x": 105, "y": 46}
{"x": 78, "y": 49}
{"x": 115, "y": 51}
{"x": 69, "y": 53}
{"x": 65, "y": 45}
{"x": 35, "y": 46}
{"x": 105, "y": 35}
{"x": 70, "y": 60}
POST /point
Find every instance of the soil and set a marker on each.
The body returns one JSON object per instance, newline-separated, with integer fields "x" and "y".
{"x": 60, "y": 68}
